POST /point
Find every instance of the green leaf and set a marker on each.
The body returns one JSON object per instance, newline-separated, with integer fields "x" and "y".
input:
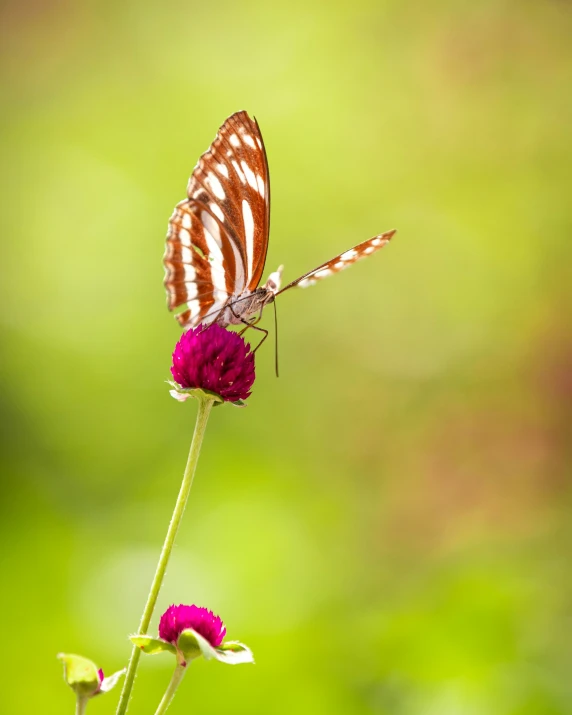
{"x": 80, "y": 674}
{"x": 181, "y": 394}
{"x": 207, "y": 394}
{"x": 233, "y": 653}
{"x": 111, "y": 681}
{"x": 239, "y": 403}
{"x": 152, "y": 646}
{"x": 192, "y": 645}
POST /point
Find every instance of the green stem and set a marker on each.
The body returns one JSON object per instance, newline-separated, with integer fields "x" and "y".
{"x": 81, "y": 704}
{"x": 171, "y": 690}
{"x": 205, "y": 405}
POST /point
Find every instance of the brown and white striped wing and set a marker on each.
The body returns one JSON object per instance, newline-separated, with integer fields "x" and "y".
{"x": 218, "y": 236}
{"x": 344, "y": 260}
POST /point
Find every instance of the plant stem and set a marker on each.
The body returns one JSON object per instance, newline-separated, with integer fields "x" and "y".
{"x": 80, "y": 705}
{"x": 205, "y": 405}
{"x": 171, "y": 690}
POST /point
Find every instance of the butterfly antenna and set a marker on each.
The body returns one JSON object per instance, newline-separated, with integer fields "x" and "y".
{"x": 275, "y": 339}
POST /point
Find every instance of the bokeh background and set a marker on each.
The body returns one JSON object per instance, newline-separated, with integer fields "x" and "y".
{"x": 387, "y": 524}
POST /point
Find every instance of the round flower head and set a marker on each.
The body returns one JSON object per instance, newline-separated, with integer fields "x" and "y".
{"x": 176, "y": 619}
{"x": 189, "y": 632}
{"x": 216, "y": 360}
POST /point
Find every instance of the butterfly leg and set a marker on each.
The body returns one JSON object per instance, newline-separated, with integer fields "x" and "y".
{"x": 255, "y": 327}
{"x": 252, "y": 324}
{"x": 262, "y": 330}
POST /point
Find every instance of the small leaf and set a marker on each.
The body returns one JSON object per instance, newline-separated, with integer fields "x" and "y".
{"x": 239, "y": 403}
{"x": 181, "y": 393}
{"x": 111, "y": 681}
{"x": 192, "y": 645}
{"x": 233, "y": 653}
{"x": 80, "y": 674}
{"x": 179, "y": 396}
{"x": 211, "y": 395}
{"x": 152, "y": 646}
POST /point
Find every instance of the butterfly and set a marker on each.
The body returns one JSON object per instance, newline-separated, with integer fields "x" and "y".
{"x": 218, "y": 236}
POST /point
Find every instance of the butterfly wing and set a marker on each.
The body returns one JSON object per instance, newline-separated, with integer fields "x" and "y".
{"x": 218, "y": 237}
{"x": 344, "y": 260}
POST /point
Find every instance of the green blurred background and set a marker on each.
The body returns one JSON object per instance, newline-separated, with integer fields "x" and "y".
{"x": 387, "y": 524}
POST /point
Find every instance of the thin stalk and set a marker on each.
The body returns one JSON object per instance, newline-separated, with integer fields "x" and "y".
{"x": 205, "y": 406}
{"x": 81, "y": 704}
{"x": 171, "y": 690}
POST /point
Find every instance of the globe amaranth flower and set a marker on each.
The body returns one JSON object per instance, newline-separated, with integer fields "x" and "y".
{"x": 189, "y": 632}
{"x": 177, "y": 619}
{"x": 214, "y": 360}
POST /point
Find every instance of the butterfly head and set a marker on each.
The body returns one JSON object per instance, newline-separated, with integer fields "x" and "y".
{"x": 274, "y": 280}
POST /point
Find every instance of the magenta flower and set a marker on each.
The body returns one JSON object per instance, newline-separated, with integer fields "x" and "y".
{"x": 189, "y": 632}
{"x": 213, "y": 359}
{"x": 177, "y": 619}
